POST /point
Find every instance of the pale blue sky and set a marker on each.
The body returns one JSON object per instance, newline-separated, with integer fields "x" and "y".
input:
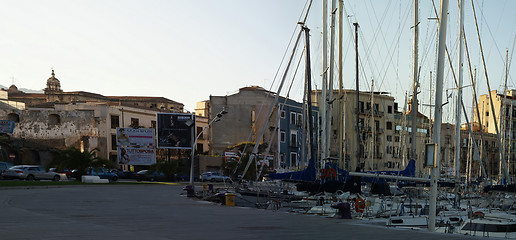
{"x": 187, "y": 50}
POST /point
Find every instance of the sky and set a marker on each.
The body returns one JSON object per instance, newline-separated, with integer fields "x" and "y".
{"x": 188, "y": 50}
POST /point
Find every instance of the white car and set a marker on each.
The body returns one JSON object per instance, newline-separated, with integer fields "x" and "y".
{"x": 30, "y": 173}
{"x": 214, "y": 177}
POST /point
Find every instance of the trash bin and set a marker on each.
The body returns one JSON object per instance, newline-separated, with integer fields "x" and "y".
{"x": 210, "y": 187}
{"x": 230, "y": 199}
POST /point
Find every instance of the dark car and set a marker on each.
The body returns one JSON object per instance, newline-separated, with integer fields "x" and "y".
{"x": 124, "y": 174}
{"x": 145, "y": 175}
{"x": 185, "y": 177}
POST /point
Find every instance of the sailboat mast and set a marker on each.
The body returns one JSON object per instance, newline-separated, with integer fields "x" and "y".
{"x": 330, "y": 99}
{"x": 357, "y": 95}
{"x": 502, "y": 154}
{"x": 414, "y": 108}
{"x": 324, "y": 97}
{"x": 438, "y": 112}
{"x": 459, "y": 101}
{"x": 308, "y": 73}
{"x": 341, "y": 105}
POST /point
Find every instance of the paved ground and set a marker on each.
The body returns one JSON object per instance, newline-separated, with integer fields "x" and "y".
{"x": 159, "y": 212}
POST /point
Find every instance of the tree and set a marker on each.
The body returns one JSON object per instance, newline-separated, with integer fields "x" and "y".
{"x": 73, "y": 158}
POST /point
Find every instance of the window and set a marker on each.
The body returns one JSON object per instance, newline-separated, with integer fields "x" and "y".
{"x": 389, "y": 109}
{"x": 115, "y": 121}
{"x": 397, "y": 138}
{"x": 200, "y": 147}
{"x": 487, "y": 114}
{"x": 293, "y": 159}
{"x": 282, "y": 136}
{"x": 113, "y": 141}
{"x": 135, "y": 122}
{"x": 293, "y": 118}
{"x": 54, "y": 119}
{"x": 361, "y": 123}
{"x": 389, "y": 125}
{"x": 293, "y": 138}
{"x": 360, "y": 106}
{"x": 13, "y": 117}
{"x": 299, "y": 119}
{"x": 282, "y": 114}
{"x": 395, "y": 107}
{"x": 199, "y": 130}
{"x": 389, "y": 138}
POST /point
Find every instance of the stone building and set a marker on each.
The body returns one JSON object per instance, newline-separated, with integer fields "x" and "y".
{"x": 247, "y": 111}
{"x": 503, "y": 118}
{"x": 56, "y": 119}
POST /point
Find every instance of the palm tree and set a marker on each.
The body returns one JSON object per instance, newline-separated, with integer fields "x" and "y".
{"x": 73, "y": 158}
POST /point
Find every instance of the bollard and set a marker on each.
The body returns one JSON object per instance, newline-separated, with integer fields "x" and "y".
{"x": 190, "y": 191}
{"x": 343, "y": 210}
{"x": 230, "y": 199}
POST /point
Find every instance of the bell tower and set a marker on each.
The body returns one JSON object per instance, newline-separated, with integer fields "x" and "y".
{"x": 53, "y": 85}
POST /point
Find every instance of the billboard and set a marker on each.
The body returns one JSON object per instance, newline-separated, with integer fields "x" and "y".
{"x": 175, "y": 130}
{"x": 6, "y": 126}
{"x": 136, "y": 156}
{"x": 141, "y": 137}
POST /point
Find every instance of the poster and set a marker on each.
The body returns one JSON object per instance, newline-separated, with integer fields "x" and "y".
{"x": 175, "y": 130}
{"x": 136, "y": 156}
{"x": 140, "y": 137}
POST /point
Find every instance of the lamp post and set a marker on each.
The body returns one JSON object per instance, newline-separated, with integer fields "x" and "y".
{"x": 215, "y": 119}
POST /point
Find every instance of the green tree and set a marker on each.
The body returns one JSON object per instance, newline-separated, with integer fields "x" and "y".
{"x": 73, "y": 158}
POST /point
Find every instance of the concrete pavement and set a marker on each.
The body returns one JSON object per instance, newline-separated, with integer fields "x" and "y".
{"x": 157, "y": 211}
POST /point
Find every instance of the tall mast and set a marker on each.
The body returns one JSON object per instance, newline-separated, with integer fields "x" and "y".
{"x": 330, "y": 80}
{"x": 373, "y": 125}
{"x": 341, "y": 105}
{"x": 414, "y": 108}
{"x": 503, "y": 116}
{"x": 308, "y": 73}
{"x": 502, "y": 154}
{"x": 357, "y": 93}
{"x": 459, "y": 100}
{"x": 324, "y": 97}
{"x": 438, "y": 112}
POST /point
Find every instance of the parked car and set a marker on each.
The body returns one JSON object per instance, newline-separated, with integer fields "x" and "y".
{"x": 102, "y": 173}
{"x": 65, "y": 171}
{"x": 185, "y": 177}
{"x": 30, "y": 173}
{"x": 4, "y": 166}
{"x": 214, "y": 177}
{"x": 124, "y": 174}
{"x": 145, "y": 175}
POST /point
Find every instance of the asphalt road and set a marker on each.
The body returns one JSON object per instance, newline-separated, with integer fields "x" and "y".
{"x": 157, "y": 211}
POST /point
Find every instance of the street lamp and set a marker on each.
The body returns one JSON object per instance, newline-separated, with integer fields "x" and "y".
{"x": 215, "y": 119}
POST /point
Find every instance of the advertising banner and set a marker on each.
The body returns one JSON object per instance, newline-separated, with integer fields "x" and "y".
{"x": 175, "y": 130}
{"x": 6, "y": 126}
{"x": 136, "y": 156}
{"x": 140, "y": 137}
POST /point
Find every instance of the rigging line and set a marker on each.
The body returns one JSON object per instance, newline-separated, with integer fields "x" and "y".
{"x": 385, "y": 64}
{"x": 309, "y": 2}
{"x": 267, "y": 151}
{"x": 491, "y": 34}
{"x": 461, "y": 102}
{"x": 392, "y": 48}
